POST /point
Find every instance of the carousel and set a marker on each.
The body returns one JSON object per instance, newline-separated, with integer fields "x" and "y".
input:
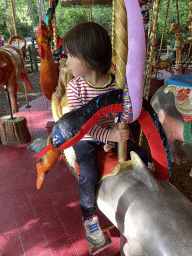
{"x": 139, "y": 207}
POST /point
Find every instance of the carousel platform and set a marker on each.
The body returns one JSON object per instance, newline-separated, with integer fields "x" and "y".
{"x": 47, "y": 221}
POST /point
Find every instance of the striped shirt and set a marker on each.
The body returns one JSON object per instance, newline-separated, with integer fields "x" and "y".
{"x": 79, "y": 93}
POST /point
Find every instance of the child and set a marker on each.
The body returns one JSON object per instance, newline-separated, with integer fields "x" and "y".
{"x": 89, "y": 53}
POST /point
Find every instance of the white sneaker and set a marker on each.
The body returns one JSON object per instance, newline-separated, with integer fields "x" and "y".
{"x": 93, "y": 232}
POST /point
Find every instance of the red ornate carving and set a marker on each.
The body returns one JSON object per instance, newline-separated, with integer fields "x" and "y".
{"x": 48, "y": 73}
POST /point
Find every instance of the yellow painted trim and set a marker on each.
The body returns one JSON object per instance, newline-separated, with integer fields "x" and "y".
{"x": 184, "y": 111}
{"x": 184, "y": 104}
{"x": 171, "y": 90}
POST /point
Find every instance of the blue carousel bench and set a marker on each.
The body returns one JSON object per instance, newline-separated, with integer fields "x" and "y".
{"x": 180, "y": 80}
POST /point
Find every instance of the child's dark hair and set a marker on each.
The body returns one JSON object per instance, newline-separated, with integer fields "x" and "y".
{"x": 90, "y": 42}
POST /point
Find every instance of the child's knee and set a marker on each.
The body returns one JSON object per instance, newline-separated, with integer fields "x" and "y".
{"x": 88, "y": 176}
{"x": 143, "y": 152}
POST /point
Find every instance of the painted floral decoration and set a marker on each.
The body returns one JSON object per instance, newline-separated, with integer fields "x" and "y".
{"x": 183, "y": 94}
{"x": 187, "y": 119}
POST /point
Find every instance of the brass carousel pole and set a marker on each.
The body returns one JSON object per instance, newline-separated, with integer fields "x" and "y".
{"x": 178, "y": 22}
{"x": 14, "y": 21}
{"x": 150, "y": 35}
{"x": 190, "y": 27}
{"x": 164, "y": 28}
{"x": 54, "y": 31}
{"x": 113, "y": 28}
{"x": 121, "y": 50}
{"x": 90, "y": 11}
{"x": 189, "y": 39}
{"x": 151, "y": 57}
{"x": 15, "y": 28}
{"x": 120, "y": 42}
{"x": 150, "y": 28}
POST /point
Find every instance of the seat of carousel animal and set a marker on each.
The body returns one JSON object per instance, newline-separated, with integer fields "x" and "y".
{"x": 107, "y": 163}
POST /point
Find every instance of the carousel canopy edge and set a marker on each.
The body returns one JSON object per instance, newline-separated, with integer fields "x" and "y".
{"x": 65, "y": 3}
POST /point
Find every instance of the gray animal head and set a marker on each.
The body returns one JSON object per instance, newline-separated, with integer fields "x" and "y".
{"x": 154, "y": 216}
{"x": 160, "y": 217}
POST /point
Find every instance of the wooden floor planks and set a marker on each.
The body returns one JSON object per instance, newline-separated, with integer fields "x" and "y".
{"x": 44, "y": 222}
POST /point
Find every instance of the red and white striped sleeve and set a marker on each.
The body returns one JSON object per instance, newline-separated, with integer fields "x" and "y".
{"x": 102, "y": 133}
{"x": 73, "y": 96}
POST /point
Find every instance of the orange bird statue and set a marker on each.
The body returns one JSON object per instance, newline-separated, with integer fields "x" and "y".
{"x": 48, "y": 72}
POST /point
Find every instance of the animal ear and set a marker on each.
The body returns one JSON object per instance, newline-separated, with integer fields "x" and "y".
{"x": 141, "y": 172}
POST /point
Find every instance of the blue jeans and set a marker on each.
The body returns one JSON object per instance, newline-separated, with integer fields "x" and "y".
{"x": 86, "y": 157}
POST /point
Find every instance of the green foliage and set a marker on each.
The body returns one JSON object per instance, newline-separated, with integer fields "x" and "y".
{"x": 69, "y": 16}
{"x": 184, "y": 11}
{"x": 4, "y": 32}
{"x": 103, "y": 16}
{"x": 23, "y": 20}
{"x": 36, "y": 12}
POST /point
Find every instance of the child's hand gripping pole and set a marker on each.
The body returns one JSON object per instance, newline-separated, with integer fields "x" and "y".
{"x": 120, "y": 134}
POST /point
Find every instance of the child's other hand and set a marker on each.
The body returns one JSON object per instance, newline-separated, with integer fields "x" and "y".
{"x": 118, "y": 135}
{"x": 107, "y": 148}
